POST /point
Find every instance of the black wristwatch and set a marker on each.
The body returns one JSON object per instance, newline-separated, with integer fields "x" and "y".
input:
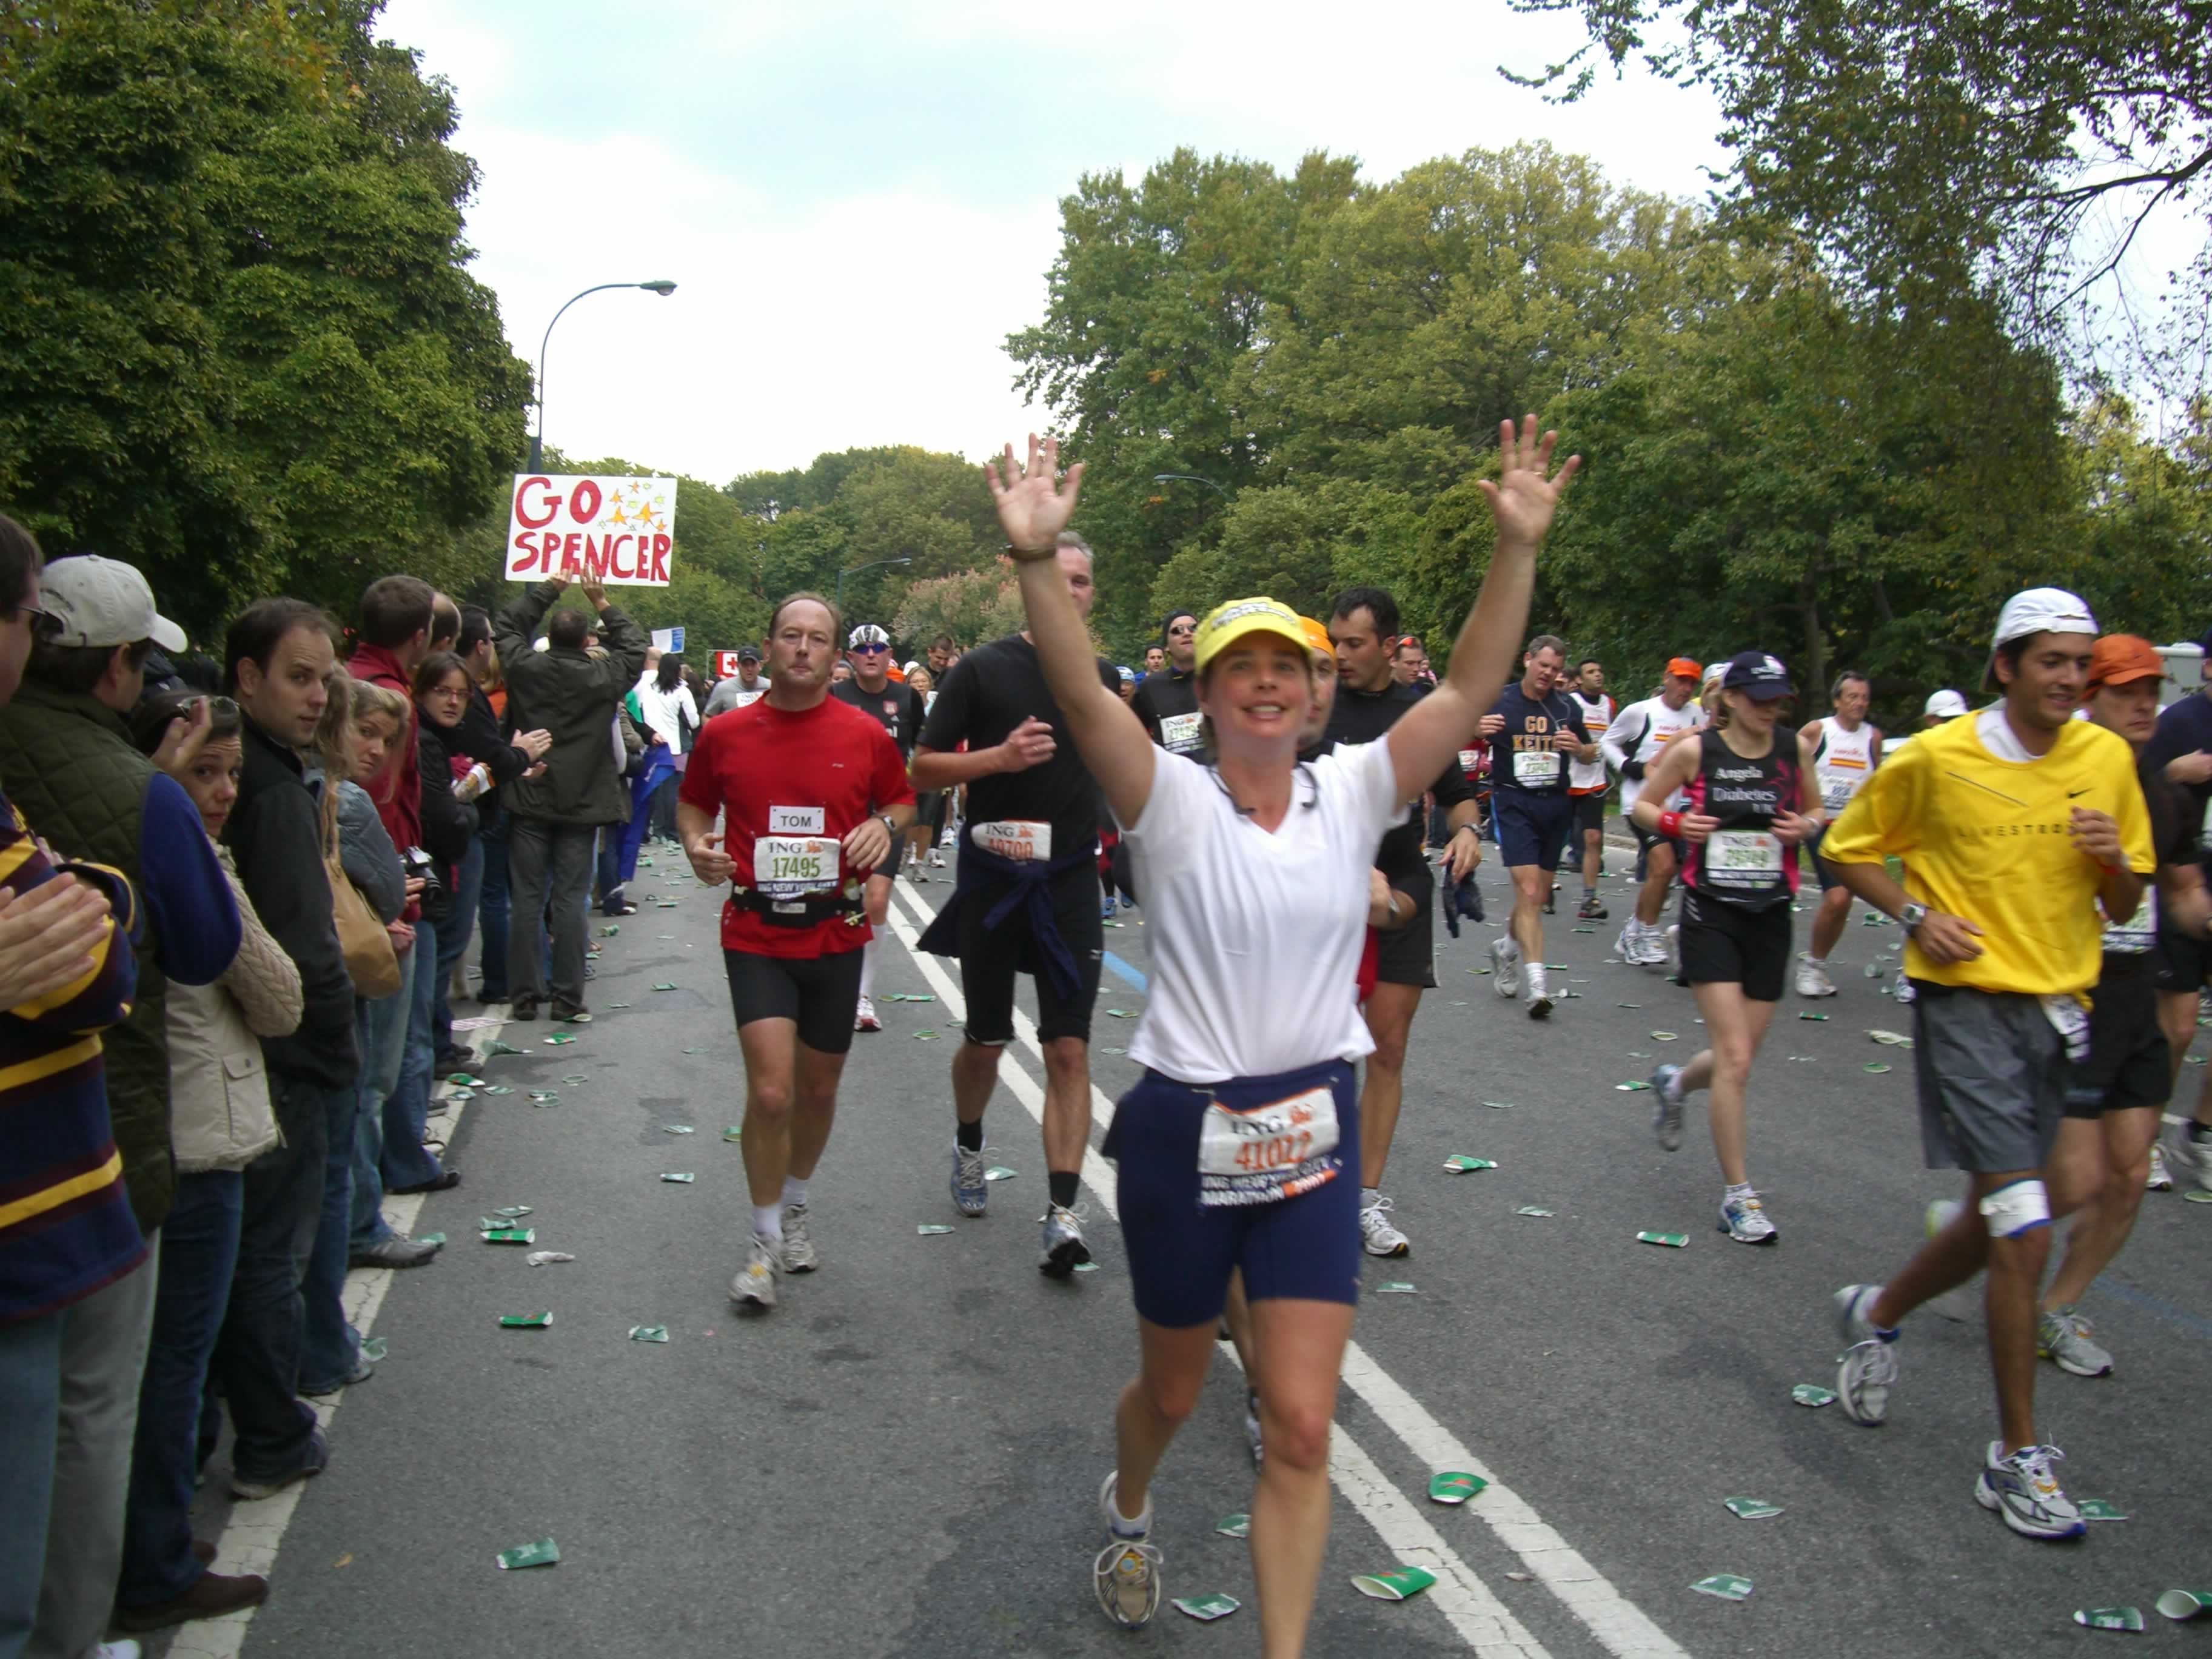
{"x": 1911, "y": 916}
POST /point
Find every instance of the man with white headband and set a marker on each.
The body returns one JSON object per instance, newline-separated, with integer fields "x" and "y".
{"x": 2010, "y": 822}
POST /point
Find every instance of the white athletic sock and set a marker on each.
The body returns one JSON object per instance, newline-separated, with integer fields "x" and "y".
{"x": 868, "y": 967}
{"x": 768, "y": 1222}
{"x": 795, "y": 1191}
{"x": 1737, "y": 1189}
{"x": 1816, "y": 958}
{"x": 1369, "y": 1197}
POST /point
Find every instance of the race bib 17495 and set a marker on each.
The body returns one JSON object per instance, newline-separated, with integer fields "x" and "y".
{"x": 795, "y": 866}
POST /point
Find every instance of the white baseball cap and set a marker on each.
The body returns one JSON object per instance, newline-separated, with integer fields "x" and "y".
{"x": 866, "y": 634}
{"x": 2042, "y": 611}
{"x": 103, "y": 602}
{"x": 1946, "y": 705}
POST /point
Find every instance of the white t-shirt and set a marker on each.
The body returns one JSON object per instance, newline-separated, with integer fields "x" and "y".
{"x": 1638, "y": 732}
{"x": 660, "y": 707}
{"x": 1588, "y": 777}
{"x": 1256, "y": 937}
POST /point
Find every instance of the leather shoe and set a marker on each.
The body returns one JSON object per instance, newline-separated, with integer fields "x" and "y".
{"x": 392, "y": 1252}
{"x": 214, "y": 1594}
{"x": 444, "y": 1181}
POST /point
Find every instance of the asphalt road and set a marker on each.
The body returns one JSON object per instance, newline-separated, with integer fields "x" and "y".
{"x": 901, "y": 1458}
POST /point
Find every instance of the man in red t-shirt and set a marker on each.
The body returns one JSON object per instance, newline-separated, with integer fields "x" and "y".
{"x": 813, "y": 795}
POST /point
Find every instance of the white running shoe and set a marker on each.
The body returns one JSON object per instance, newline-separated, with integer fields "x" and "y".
{"x": 756, "y": 1280}
{"x": 1377, "y": 1236}
{"x": 1745, "y": 1220}
{"x": 799, "y": 1256}
{"x": 1540, "y": 996}
{"x": 1902, "y": 991}
{"x": 864, "y": 1016}
{"x": 1812, "y": 979}
{"x": 2023, "y": 1489}
{"x": 937, "y": 858}
{"x": 2193, "y": 1157}
{"x": 1667, "y": 1109}
{"x": 1505, "y": 967}
{"x": 1127, "y": 1574}
{"x": 1627, "y": 946}
{"x": 2063, "y": 1337}
{"x": 1064, "y": 1250}
{"x": 2160, "y": 1179}
{"x": 1868, "y": 1370}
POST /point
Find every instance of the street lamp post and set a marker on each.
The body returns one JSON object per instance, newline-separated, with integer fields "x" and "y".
{"x": 876, "y": 564}
{"x": 1191, "y": 477}
{"x": 662, "y": 286}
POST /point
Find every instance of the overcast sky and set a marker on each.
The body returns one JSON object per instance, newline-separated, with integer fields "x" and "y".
{"x": 858, "y": 203}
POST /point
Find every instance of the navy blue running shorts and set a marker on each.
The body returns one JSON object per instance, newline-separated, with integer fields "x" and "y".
{"x": 1181, "y": 1252}
{"x": 1531, "y": 828}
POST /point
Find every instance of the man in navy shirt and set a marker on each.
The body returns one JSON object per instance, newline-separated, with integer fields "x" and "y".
{"x": 1535, "y": 730}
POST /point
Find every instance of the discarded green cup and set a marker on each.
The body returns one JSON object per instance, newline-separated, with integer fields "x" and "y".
{"x": 1461, "y": 1163}
{"x": 375, "y": 1347}
{"x": 998, "y": 1172}
{"x": 735, "y": 1132}
{"x": 925, "y": 1037}
{"x": 1819, "y": 1017}
{"x": 514, "y": 1212}
{"x": 510, "y": 1236}
{"x": 496, "y": 1089}
{"x": 1811, "y": 1394}
{"x": 498, "y": 1048}
{"x": 665, "y": 987}
{"x": 1672, "y": 1240}
{"x": 1396, "y": 1287}
{"x": 2099, "y": 1509}
{"x": 910, "y": 996}
{"x": 559, "y": 1039}
{"x": 930, "y": 1228}
{"x": 1234, "y": 1525}
{"x": 1751, "y": 1509}
{"x": 542, "y": 1554}
{"x": 2110, "y": 1618}
{"x": 1638, "y": 1087}
{"x": 1537, "y": 1210}
{"x": 1454, "y": 1487}
{"x": 462, "y": 1080}
{"x": 1499, "y": 1105}
{"x": 1213, "y": 1604}
{"x": 2177, "y": 1605}
{"x": 1113, "y": 1051}
{"x": 575, "y": 1076}
{"x": 610, "y": 930}
{"x": 537, "y": 1321}
{"x": 677, "y": 1129}
{"x": 1120, "y": 1013}
{"x": 1665, "y": 1037}
{"x": 649, "y": 1332}
{"x": 1393, "y": 1586}
{"x": 2197, "y": 1195}
{"x": 1875, "y": 1065}
{"x": 544, "y": 1096}
{"x": 681, "y": 1178}
{"x": 1726, "y": 1585}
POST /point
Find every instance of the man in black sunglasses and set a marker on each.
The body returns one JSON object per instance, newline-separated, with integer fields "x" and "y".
{"x": 874, "y": 692}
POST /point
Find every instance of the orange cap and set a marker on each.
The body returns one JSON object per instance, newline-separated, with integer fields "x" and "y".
{"x": 1317, "y": 637}
{"x": 1686, "y": 667}
{"x": 2122, "y": 658}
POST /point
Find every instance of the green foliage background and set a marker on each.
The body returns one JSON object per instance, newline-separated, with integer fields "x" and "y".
{"x": 241, "y": 348}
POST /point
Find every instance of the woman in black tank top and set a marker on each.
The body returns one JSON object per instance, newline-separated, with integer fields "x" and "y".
{"x": 1746, "y": 805}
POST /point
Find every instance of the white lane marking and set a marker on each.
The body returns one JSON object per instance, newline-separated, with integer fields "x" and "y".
{"x": 1471, "y": 1608}
{"x": 1618, "y": 1623}
{"x": 251, "y": 1538}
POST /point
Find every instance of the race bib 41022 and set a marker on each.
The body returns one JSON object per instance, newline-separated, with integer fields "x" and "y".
{"x": 1265, "y": 1154}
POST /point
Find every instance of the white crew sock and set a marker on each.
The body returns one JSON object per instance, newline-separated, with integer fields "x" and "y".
{"x": 868, "y": 968}
{"x": 1369, "y": 1197}
{"x": 1532, "y": 980}
{"x": 1816, "y": 958}
{"x": 768, "y": 1222}
{"x": 795, "y": 1191}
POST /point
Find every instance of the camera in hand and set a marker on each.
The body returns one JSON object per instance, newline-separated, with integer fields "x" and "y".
{"x": 436, "y": 901}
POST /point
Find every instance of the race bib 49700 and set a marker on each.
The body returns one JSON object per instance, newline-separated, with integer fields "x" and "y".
{"x": 1020, "y": 839}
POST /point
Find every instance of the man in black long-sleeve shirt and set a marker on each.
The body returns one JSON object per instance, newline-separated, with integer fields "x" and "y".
{"x": 1364, "y": 627}
{"x": 277, "y": 661}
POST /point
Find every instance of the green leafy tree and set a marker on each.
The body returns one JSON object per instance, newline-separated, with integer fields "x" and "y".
{"x": 239, "y": 345}
{"x": 1940, "y": 149}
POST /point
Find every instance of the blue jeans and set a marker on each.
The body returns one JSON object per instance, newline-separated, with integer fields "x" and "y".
{"x": 492, "y": 910}
{"x": 381, "y": 1029}
{"x": 30, "y": 1425}
{"x": 454, "y": 941}
{"x": 329, "y": 1347}
{"x": 256, "y": 1364}
{"x": 199, "y": 1250}
{"x": 406, "y": 1109}
{"x": 606, "y": 867}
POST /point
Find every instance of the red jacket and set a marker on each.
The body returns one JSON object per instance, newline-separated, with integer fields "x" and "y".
{"x": 399, "y": 802}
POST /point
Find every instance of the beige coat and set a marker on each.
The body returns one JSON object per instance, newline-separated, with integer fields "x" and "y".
{"x": 219, "y": 1112}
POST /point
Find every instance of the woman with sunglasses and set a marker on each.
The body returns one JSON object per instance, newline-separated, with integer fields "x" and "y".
{"x": 1239, "y": 1149}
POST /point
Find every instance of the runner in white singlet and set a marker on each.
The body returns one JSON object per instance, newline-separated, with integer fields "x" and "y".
{"x": 1846, "y": 748}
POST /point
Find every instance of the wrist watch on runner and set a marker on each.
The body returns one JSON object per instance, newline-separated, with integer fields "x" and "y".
{"x": 1911, "y": 916}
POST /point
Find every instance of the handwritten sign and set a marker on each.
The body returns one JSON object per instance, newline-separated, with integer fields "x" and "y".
{"x": 620, "y": 530}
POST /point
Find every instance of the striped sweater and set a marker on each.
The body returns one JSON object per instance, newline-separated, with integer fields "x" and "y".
{"x": 65, "y": 1223}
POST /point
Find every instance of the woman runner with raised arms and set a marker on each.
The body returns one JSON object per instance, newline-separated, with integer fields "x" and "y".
{"x": 1240, "y": 1147}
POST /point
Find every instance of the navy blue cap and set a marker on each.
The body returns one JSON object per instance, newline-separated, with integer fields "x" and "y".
{"x": 1762, "y": 678}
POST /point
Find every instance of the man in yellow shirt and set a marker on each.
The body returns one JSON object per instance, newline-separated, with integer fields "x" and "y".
{"x": 2011, "y": 822}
